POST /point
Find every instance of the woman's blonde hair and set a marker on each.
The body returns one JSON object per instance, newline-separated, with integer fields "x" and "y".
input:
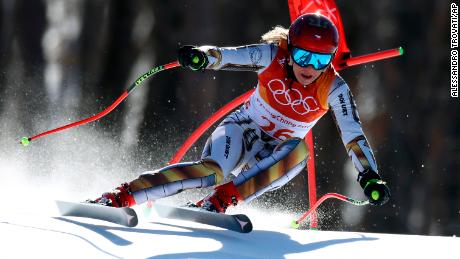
{"x": 278, "y": 35}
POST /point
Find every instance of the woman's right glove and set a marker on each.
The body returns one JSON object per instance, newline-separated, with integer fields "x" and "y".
{"x": 374, "y": 188}
{"x": 192, "y": 57}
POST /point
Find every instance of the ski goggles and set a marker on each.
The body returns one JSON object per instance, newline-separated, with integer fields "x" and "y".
{"x": 305, "y": 58}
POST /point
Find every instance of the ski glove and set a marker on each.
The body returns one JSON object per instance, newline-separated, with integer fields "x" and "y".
{"x": 374, "y": 188}
{"x": 192, "y": 57}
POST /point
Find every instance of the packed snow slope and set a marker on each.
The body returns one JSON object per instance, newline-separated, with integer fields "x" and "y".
{"x": 41, "y": 233}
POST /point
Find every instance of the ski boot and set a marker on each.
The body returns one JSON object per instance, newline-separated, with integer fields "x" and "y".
{"x": 120, "y": 197}
{"x": 224, "y": 195}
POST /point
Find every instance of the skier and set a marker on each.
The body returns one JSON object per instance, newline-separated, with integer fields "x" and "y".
{"x": 261, "y": 144}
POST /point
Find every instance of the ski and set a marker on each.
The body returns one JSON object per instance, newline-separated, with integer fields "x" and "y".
{"x": 238, "y": 222}
{"x": 122, "y": 216}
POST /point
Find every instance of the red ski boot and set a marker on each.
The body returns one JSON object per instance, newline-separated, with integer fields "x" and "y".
{"x": 120, "y": 197}
{"x": 224, "y": 195}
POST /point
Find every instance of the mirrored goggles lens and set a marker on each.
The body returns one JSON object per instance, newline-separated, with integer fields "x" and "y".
{"x": 304, "y": 58}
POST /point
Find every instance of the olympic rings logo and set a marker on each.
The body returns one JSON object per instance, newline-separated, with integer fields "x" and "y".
{"x": 292, "y": 97}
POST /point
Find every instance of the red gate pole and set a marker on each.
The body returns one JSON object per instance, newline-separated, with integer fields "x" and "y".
{"x": 311, "y": 179}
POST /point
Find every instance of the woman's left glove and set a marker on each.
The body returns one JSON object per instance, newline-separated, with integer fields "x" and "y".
{"x": 374, "y": 188}
{"x": 192, "y": 57}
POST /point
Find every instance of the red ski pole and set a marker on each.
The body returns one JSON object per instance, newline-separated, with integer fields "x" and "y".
{"x": 26, "y": 140}
{"x": 296, "y": 223}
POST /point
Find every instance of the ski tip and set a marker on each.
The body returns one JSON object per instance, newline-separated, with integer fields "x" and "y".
{"x": 132, "y": 219}
{"x": 245, "y": 223}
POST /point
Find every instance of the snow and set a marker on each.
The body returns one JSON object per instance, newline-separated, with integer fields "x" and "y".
{"x": 27, "y": 232}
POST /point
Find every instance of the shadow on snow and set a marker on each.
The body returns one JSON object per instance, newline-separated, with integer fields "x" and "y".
{"x": 267, "y": 243}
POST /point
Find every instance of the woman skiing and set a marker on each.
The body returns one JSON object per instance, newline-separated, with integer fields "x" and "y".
{"x": 262, "y": 142}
